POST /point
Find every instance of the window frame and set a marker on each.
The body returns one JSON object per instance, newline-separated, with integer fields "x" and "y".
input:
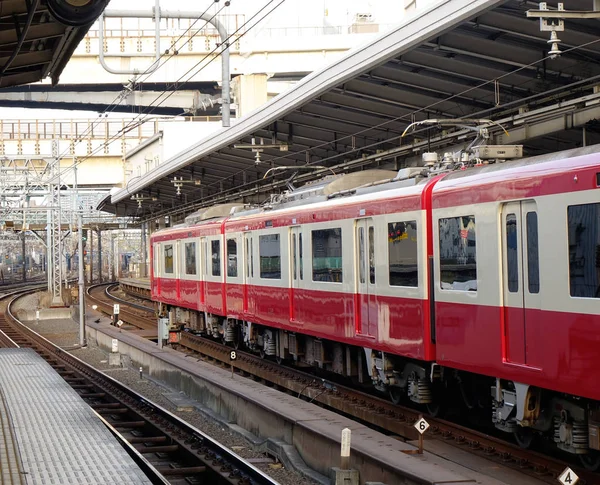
{"x": 211, "y": 243}
{"x": 570, "y": 261}
{"x": 233, "y": 238}
{"x": 260, "y": 257}
{"x": 440, "y": 269}
{"x": 406, "y": 221}
{"x": 341, "y": 250}
{"x": 173, "y": 245}
{"x": 183, "y": 271}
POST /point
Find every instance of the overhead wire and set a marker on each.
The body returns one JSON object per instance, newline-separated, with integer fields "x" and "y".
{"x": 134, "y": 123}
{"x": 408, "y": 116}
{"x": 148, "y": 72}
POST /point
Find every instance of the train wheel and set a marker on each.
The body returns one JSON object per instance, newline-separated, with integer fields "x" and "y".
{"x": 396, "y": 394}
{"x": 262, "y": 354}
{"x": 590, "y": 461}
{"x": 524, "y": 437}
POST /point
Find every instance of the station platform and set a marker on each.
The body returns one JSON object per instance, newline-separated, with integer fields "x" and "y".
{"x": 136, "y": 286}
{"x": 48, "y": 434}
{"x": 274, "y": 417}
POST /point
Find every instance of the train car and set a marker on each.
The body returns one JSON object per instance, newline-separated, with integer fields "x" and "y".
{"x": 484, "y": 279}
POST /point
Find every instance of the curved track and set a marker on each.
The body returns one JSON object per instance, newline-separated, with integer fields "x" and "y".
{"x": 139, "y": 316}
{"x": 167, "y": 448}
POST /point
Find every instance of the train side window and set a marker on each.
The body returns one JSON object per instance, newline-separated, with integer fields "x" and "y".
{"x": 294, "y": 258}
{"x": 168, "y": 252}
{"x": 327, "y": 255}
{"x": 269, "y": 252}
{"x": 232, "y": 261}
{"x": 584, "y": 253}
{"x": 402, "y": 254}
{"x": 372, "y": 255}
{"x": 190, "y": 258}
{"x": 458, "y": 255}
{"x": 512, "y": 253}
{"x": 215, "y": 247}
{"x": 300, "y": 252}
{"x": 533, "y": 255}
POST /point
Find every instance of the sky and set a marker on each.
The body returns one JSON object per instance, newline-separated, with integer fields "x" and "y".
{"x": 291, "y": 13}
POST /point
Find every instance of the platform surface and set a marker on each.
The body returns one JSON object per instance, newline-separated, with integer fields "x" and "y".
{"x": 439, "y": 465}
{"x": 49, "y": 435}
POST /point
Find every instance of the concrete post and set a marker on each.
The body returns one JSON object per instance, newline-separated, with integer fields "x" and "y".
{"x": 24, "y": 257}
{"x": 144, "y": 256}
{"x": 99, "y": 256}
{"x": 91, "y": 253}
{"x": 112, "y": 255}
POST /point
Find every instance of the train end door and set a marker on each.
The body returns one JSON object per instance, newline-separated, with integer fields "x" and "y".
{"x": 296, "y": 271}
{"x": 365, "y": 296}
{"x": 521, "y": 284}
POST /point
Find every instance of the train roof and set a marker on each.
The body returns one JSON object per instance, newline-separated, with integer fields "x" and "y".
{"x": 521, "y": 179}
{"x": 406, "y": 188}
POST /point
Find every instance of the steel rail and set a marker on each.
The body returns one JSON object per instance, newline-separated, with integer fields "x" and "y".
{"x": 168, "y": 434}
{"x": 127, "y": 302}
{"x": 127, "y": 316}
{"x": 383, "y": 414}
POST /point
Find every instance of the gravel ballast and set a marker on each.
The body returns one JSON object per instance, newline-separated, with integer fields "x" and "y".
{"x": 64, "y": 333}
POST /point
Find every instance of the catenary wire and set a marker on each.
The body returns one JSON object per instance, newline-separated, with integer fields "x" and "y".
{"x": 135, "y": 122}
{"x": 115, "y": 102}
{"x": 405, "y": 116}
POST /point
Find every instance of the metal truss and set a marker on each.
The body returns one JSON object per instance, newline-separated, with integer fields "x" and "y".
{"x": 32, "y": 197}
{"x": 54, "y": 239}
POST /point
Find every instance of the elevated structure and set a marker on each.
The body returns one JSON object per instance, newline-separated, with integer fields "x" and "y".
{"x": 458, "y": 59}
{"x": 282, "y": 54}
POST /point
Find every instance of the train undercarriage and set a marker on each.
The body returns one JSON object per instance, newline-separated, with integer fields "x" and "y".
{"x": 527, "y": 412}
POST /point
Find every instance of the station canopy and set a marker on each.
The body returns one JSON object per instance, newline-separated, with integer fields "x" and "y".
{"x": 457, "y": 59}
{"x": 38, "y": 37}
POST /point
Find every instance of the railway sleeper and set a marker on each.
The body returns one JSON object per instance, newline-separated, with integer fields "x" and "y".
{"x": 525, "y": 411}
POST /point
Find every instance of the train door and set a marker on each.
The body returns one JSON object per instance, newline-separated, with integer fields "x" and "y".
{"x": 156, "y": 255}
{"x": 176, "y": 267}
{"x": 366, "y": 311}
{"x": 248, "y": 273}
{"x": 296, "y": 271}
{"x": 521, "y": 284}
{"x": 204, "y": 268}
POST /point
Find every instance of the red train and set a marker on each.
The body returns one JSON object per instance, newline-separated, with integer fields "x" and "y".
{"x": 486, "y": 278}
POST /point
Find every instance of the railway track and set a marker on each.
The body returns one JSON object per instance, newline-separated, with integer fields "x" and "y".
{"x": 132, "y": 313}
{"x": 378, "y": 412}
{"x": 167, "y": 448}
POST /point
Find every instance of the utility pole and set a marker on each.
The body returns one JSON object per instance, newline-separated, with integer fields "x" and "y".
{"x": 99, "y": 255}
{"x": 80, "y": 265}
{"x": 91, "y": 251}
{"x": 23, "y": 253}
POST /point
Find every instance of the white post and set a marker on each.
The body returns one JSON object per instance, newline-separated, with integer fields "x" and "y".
{"x": 345, "y": 451}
